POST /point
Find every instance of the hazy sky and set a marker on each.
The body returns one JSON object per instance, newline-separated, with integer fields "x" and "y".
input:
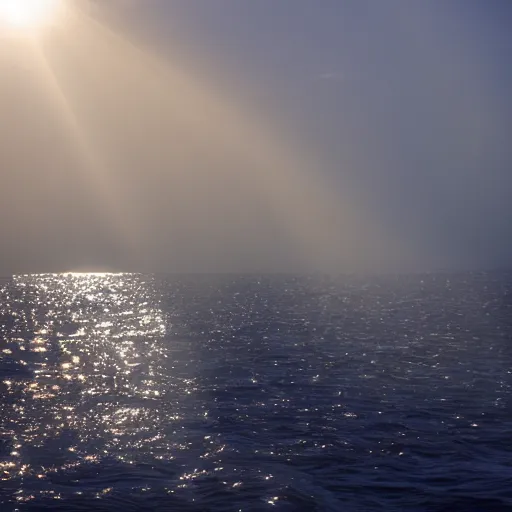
{"x": 168, "y": 135}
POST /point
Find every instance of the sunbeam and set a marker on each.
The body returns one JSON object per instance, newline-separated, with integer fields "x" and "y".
{"x": 96, "y": 174}
{"x": 233, "y": 187}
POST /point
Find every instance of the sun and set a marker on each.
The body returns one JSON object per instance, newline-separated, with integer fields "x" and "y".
{"x": 26, "y": 14}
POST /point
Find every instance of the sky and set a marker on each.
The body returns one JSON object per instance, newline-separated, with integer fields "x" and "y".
{"x": 241, "y": 135}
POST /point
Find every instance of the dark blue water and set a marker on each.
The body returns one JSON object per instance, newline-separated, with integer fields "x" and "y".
{"x": 130, "y": 392}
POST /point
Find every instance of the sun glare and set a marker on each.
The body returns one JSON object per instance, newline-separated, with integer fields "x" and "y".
{"x": 28, "y": 13}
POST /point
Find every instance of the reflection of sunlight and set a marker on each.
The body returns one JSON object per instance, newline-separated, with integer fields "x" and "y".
{"x": 77, "y": 383}
{"x": 92, "y": 275}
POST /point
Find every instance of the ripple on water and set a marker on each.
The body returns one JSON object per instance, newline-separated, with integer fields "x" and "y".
{"x": 146, "y": 393}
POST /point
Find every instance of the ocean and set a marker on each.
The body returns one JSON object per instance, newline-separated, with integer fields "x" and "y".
{"x": 256, "y": 393}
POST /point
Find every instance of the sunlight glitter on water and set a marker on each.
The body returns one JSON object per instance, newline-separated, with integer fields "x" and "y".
{"x": 200, "y": 393}
{"x": 78, "y": 332}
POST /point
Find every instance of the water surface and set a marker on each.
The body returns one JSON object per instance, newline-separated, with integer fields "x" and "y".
{"x": 217, "y": 393}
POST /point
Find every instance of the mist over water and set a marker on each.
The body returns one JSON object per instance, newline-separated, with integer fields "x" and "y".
{"x": 155, "y": 137}
{"x": 158, "y": 171}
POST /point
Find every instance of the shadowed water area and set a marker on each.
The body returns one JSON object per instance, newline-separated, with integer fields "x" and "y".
{"x": 227, "y": 393}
